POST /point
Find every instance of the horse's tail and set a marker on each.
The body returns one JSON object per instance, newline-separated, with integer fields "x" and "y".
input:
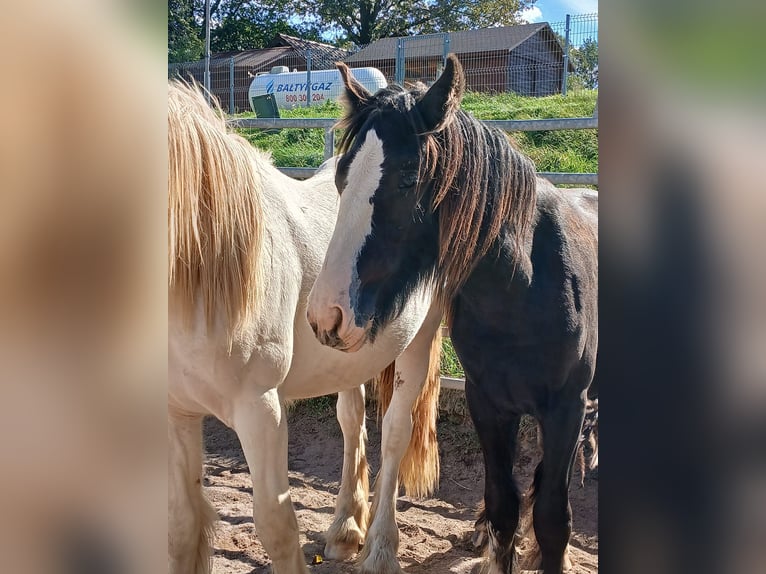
{"x": 419, "y": 469}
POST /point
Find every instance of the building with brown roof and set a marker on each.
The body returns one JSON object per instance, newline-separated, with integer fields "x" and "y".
{"x": 527, "y": 58}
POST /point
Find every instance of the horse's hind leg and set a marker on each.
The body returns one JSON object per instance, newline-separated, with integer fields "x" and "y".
{"x": 497, "y": 434}
{"x": 347, "y": 531}
{"x": 552, "y": 513}
{"x": 261, "y": 424}
{"x": 190, "y": 516}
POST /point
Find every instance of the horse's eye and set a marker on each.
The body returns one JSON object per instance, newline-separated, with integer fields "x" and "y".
{"x": 408, "y": 179}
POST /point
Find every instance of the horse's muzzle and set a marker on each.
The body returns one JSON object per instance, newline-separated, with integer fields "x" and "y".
{"x": 332, "y": 330}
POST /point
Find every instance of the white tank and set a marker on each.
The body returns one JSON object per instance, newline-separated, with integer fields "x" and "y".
{"x": 289, "y": 88}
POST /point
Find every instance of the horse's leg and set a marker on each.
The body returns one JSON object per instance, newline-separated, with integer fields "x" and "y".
{"x": 497, "y": 433}
{"x": 261, "y": 425}
{"x": 347, "y": 531}
{"x": 190, "y": 516}
{"x": 382, "y": 543}
{"x": 552, "y": 513}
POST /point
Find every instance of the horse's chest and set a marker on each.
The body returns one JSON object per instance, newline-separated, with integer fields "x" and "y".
{"x": 513, "y": 335}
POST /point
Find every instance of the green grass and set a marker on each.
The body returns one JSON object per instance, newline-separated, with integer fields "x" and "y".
{"x": 557, "y": 151}
{"x": 450, "y": 365}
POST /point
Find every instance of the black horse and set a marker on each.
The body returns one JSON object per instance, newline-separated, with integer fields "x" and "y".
{"x": 432, "y": 200}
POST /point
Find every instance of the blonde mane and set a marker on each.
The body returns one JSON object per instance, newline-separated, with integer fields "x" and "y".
{"x": 214, "y": 212}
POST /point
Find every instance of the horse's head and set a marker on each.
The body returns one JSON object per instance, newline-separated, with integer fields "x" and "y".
{"x": 385, "y": 242}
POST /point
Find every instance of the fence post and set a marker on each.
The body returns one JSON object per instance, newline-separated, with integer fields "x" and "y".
{"x": 399, "y": 79}
{"x": 231, "y": 85}
{"x": 206, "y": 76}
{"x": 329, "y": 143}
{"x": 308, "y": 77}
{"x": 565, "y": 75}
{"x": 446, "y": 48}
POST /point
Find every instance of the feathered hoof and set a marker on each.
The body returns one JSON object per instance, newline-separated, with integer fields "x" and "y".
{"x": 567, "y": 560}
{"x": 479, "y": 538}
{"x": 341, "y": 551}
{"x": 379, "y": 563}
{"x": 390, "y": 568}
{"x": 343, "y": 542}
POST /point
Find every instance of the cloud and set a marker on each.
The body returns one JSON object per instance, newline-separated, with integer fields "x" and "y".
{"x": 581, "y": 6}
{"x": 532, "y": 14}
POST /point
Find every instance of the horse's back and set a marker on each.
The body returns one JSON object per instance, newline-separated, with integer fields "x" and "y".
{"x": 574, "y": 210}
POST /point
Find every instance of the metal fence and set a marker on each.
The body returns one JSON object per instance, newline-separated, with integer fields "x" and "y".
{"x": 327, "y": 124}
{"x": 537, "y": 59}
{"x": 232, "y": 74}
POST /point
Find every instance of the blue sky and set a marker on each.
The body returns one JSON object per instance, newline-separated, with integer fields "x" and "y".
{"x": 556, "y": 10}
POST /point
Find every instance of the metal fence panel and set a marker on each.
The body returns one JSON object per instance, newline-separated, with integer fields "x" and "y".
{"x": 532, "y": 60}
{"x": 538, "y": 59}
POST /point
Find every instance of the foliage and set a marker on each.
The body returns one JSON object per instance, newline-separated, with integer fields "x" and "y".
{"x": 236, "y": 25}
{"x": 585, "y": 62}
{"x": 245, "y": 24}
{"x": 184, "y": 43}
{"x": 364, "y": 21}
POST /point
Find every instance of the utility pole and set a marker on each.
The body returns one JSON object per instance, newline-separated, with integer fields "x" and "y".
{"x": 207, "y": 49}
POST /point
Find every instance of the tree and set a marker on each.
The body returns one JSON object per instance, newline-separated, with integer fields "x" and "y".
{"x": 364, "y": 21}
{"x": 245, "y": 24}
{"x": 585, "y": 62}
{"x": 184, "y": 42}
{"x": 236, "y": 25}
{"x": 253, "y": 26}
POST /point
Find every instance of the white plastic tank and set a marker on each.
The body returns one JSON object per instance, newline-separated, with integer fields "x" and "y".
{"x": 289, "y": 88}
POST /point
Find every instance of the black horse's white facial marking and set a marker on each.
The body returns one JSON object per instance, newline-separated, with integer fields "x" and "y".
{"x": 363, "y": 175}
{"x": 394, "y": 255}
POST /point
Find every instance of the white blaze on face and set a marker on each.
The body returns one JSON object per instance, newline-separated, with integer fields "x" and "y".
{"x": 335, "y": 283}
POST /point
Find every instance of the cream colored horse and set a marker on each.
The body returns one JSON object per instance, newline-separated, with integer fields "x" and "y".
{"x": 245, "y": 246}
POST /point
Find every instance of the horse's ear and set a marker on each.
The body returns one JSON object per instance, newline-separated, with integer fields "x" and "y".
{"x": 442, "y": 101}
{"x": 356, "y": 95}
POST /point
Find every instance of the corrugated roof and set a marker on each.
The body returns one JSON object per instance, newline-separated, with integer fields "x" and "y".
{"x": 466, "y": 41}
{"x": 323, "y": 56}
{"x": 254, "y": 58}
{"x": 249, "y": 58}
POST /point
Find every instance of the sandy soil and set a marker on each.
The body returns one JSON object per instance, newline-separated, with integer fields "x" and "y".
{"x": 434, "y": 533}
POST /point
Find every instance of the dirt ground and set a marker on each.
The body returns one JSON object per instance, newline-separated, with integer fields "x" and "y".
{"x": 434, "y": 533}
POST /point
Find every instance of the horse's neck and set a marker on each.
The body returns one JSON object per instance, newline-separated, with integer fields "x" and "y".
{"x": 278, "y": 221}
{"x": 298, "y": 220}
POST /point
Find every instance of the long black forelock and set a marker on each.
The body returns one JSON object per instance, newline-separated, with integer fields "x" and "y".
{"x": 392, "y": 97}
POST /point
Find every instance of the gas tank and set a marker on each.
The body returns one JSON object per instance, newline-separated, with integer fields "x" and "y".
{"x": 289, "y": 88}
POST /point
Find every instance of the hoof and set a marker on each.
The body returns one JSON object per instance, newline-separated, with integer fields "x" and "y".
{"x": 379, "y": 563}
{"x": 341, "y": 551}
{"x": 479, "y": 539}
{"x": 389, "y": 568}
{"x": 567, "y": 565}
{"x": 343, "y": 543}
